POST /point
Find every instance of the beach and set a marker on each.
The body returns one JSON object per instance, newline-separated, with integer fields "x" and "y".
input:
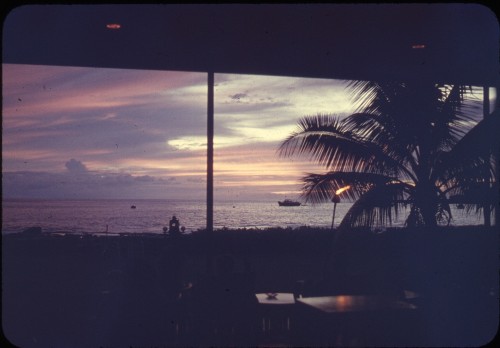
{"x": 122, "y": 291}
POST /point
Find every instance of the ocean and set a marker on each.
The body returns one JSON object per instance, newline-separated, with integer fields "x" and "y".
{"x": 150, "y": 216}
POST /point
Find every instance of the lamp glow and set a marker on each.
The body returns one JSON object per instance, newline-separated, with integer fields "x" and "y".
{"x": 113, "y": 26}
{"x": 336, "y": 199}
{"x": 342, "y": 189}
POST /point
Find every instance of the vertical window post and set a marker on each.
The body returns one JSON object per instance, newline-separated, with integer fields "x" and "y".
{"x": 210, "y": 153}
{"x": 210, "y": 169}
{"x": 486, "y": 113}
{"x": 497, "y": 159}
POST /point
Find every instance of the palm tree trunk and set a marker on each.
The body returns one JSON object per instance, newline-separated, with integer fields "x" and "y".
{"x": 487, "y": 215}
{"x": 425, "y": 195}
{"x": 429, "y": 214}
{"x": 426, "y": 201}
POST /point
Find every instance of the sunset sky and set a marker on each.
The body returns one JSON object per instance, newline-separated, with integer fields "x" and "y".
{"x": 73, "y": 133}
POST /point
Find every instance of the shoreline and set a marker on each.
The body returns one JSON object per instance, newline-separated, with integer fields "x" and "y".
{"x": 303, "y": 228}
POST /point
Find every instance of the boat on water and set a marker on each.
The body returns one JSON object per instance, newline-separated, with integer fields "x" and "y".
{"x": 288, "y": 203}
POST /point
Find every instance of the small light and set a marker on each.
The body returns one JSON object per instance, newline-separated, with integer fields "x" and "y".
{"x": 113, "y": 26}
{"x": 418, "y": 46}
{"x": 340, "y": 190}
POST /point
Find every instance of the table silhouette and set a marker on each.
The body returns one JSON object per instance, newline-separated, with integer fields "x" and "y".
{"x": 353, "y": 320}
{"x": 276, "y": 312}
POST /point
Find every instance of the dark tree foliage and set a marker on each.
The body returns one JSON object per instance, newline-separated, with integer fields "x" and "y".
{"x": 417, "y": 145}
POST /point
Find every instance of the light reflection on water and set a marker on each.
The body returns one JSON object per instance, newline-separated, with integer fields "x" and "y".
{"x": 152, "y": 215}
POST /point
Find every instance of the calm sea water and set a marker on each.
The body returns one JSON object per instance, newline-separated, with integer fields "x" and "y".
{"x": 90, "y": 216}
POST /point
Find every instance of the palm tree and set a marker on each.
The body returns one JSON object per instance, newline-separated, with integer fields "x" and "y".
{"x": 407, "y": 145}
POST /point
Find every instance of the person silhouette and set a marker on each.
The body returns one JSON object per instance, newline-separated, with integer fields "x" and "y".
{"x": 174, "y": 229}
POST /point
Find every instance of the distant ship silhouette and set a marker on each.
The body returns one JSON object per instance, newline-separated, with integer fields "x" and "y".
{"x": 288, "y": 203}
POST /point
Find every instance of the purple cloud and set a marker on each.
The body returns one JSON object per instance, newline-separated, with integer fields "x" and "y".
{"x": 75, "y": 167}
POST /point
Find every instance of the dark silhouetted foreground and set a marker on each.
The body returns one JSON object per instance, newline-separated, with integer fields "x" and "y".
{"x": 154, "y": 291}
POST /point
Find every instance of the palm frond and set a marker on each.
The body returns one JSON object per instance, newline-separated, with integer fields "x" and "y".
{"x": 371, "y": 128}
{"x": 443, "y": 214}
{"x": 378, "y": 206}
{"x": 419, "y": 133}
{"x": 471, "y": 160}
{"x": 457, "y": 108}
{"x": 312, "y": 127}
{"x": 330, "y": 142}
{"x": 318, "y": 188}
{"x": 411, "y": 112}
